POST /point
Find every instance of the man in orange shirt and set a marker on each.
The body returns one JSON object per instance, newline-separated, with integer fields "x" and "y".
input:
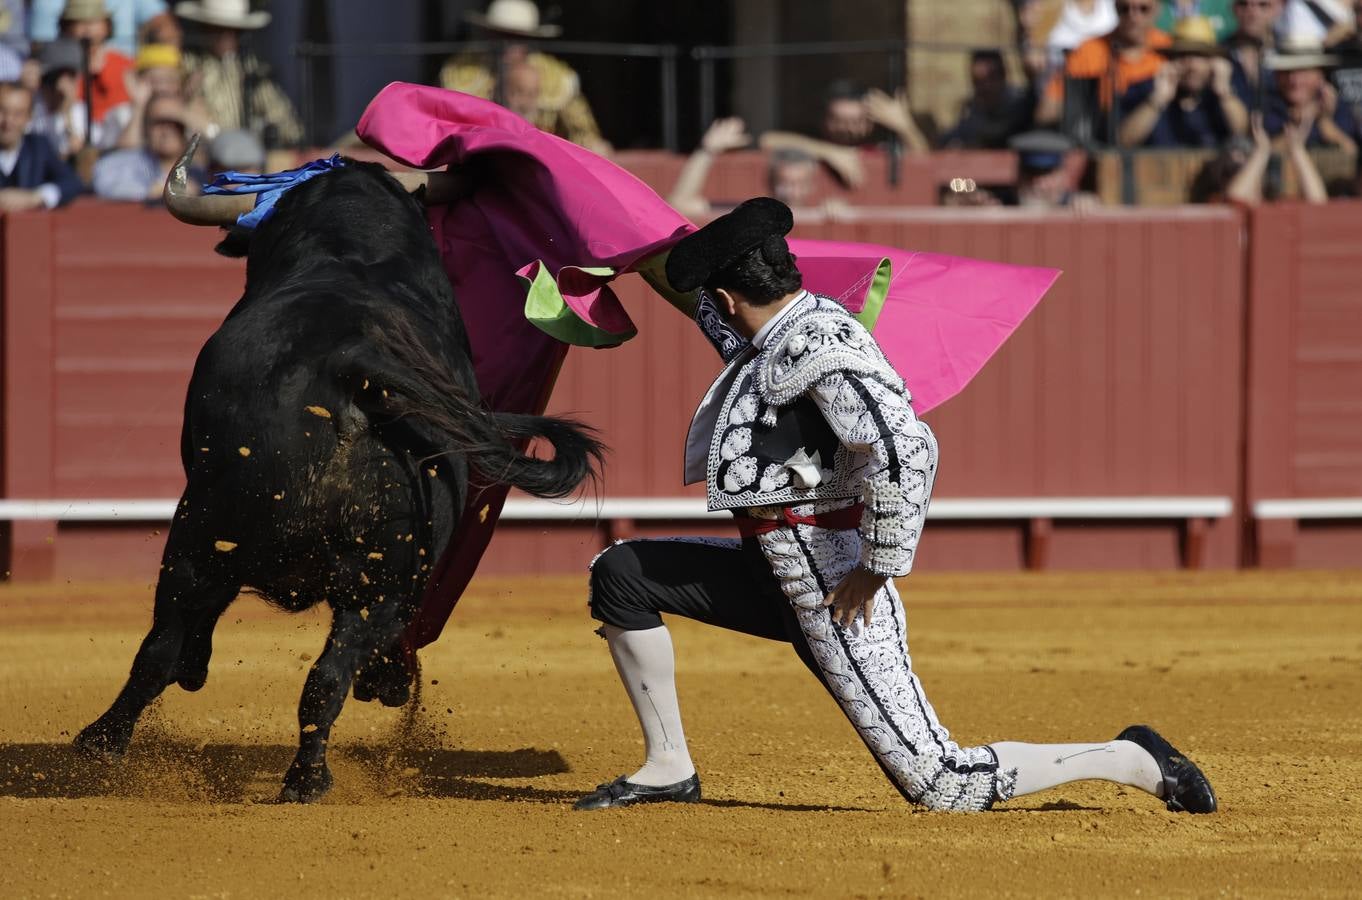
{"x": 1129, "y": 53}
{"x": 88, "y": 20}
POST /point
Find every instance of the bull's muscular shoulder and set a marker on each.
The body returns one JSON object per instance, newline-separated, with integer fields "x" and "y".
{"x": 823, "y": 340}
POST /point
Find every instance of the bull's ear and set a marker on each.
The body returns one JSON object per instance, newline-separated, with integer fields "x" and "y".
{"x": 237, "y": 243}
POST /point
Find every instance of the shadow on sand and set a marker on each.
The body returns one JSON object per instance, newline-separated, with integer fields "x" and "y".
{"x": 166, "y": 768}
{"x": 162, "y": 768}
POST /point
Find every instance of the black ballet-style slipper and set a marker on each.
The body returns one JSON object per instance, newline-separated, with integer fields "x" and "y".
{"x": 1185, "y": 786}
{"x": 622, "y": 792}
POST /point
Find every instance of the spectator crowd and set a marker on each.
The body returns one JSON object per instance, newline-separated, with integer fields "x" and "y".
{"x": 101, "y": 96}
{"x": 1244, "y": 82}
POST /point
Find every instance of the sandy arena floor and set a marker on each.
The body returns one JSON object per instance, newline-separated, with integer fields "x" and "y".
{"x": 1258, "y": 677}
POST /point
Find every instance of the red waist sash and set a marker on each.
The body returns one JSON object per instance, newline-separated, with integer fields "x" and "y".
{"x": 834, "y": 520}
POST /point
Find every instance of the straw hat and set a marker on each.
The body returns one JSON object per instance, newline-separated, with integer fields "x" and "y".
{"x": 519, "y": 17}
{"x": 158, "y": 56}
{"x": 1194, "y": 36}
{"x": 223, "y": 13}
{"x": 84, "y": 10}
{"x": 1299, "y": 52}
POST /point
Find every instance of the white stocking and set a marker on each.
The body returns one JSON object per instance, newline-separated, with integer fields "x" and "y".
{"x": 1041, "y": 766}
{"x": 645, "y": 664}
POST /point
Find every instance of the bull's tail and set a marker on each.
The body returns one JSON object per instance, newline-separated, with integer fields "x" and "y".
{"x": 407, "y": 382}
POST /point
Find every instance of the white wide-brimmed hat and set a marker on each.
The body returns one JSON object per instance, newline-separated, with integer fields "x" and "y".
{"x": 514, "y": 17}
{"x": 223, "y": 13}
{"x": 1294, "y": 53}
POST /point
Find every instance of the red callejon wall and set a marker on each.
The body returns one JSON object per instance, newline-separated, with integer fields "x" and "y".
{"x": 105, "y": 308}
{"x": 1127, "y": 381}
{"x": 1305, "y": 377}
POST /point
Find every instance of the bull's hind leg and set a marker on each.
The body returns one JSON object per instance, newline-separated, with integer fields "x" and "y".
{"x": 191, "y": 671}
{"x": 358, "y": 632}
{"x": 186, "y": 601}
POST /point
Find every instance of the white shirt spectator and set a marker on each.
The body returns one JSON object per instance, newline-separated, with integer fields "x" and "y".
{"x": 1079, "y": 21}
{"x": 61, "y": 130}
{"x": 1308, "y": 21}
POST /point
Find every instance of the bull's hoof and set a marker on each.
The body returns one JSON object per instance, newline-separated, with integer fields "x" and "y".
{"x": 102, "y": 740}
{"x": 305, "y": 784}
{"x": 192, "y": 681}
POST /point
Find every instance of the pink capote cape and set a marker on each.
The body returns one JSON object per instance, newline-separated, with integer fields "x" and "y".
{"x": 562, "y": 222}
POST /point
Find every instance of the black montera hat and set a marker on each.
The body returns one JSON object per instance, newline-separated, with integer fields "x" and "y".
{"x": 718, "y": 245}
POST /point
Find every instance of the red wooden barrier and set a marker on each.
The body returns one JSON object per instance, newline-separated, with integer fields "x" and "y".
{"x": 1304, "y": 396}
{"x": 1127, "y": 381}
{"x": 105, "y": 308}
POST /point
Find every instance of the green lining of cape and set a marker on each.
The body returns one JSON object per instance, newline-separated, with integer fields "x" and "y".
{"x": 547, "y": 311}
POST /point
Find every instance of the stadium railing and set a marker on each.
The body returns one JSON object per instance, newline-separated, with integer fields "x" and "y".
{"x": 616, "y": 515}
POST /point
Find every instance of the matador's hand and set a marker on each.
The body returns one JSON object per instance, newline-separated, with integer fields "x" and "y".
{"x": 856, "y": 593}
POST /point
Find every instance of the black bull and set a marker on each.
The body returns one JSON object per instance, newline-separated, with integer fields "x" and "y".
{"x": 331, "y": 428}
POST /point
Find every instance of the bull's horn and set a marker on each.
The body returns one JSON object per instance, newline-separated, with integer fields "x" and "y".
{"x": 221, "y": 209}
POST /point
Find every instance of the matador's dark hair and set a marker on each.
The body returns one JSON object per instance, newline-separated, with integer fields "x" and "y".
{"x": 763, "y": 274}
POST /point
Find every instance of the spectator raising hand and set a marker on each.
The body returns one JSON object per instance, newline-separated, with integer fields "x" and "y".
{"x": 1165, "y": 86}
{"x": 1246, "y": 186}
{"x": 894, "y": 114}
{"x": 722, "y": 135}
{"x": 1190, "y": 101}
{"x": 1308, "y": 179}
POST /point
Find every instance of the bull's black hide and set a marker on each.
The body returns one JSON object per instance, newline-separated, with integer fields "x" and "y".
{"x": 331, "y": 428}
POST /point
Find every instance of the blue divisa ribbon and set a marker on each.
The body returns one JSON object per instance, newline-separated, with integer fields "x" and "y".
{"x": 269, "y": 187}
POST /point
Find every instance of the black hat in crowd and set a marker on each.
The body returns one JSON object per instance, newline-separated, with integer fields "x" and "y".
{"x": 61, "y": 55}
{"x": 1040, "y": 151}
{"x": 700, "y": 255}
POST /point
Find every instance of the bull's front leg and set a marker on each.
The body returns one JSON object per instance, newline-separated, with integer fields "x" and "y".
{"x": 352, "y": 642}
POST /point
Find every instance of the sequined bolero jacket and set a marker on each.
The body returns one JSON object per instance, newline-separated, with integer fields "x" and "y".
{"x": 817, "y": 415}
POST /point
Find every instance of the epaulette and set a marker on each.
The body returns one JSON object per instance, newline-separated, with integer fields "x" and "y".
{"x": 824, "y": 340}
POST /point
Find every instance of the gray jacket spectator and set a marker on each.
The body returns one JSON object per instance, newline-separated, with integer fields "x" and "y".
{"x": 31, "y": 173}
{"x": 138, "y": 174}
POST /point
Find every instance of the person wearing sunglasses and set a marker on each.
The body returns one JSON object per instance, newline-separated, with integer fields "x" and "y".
{"x": 1190, "y": 102}
{"x": 1128, "y": 55}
